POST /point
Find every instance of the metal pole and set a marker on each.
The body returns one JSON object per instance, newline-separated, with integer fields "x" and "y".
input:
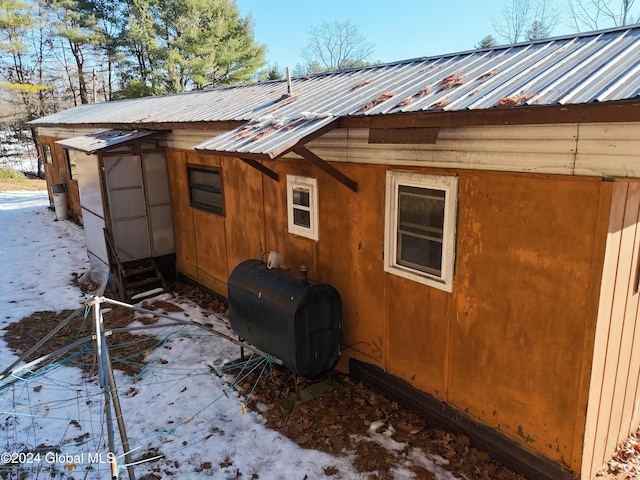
{"x": 44, "y": 358}
{"x": 207, "y": 328}
{"x": 42, "y": 341}
{"x": 121, "y": 426}
{"x": 107, "y": 409}
{"x": 95, "y": 86}
{"x": 102, "y": 376}
{"x": 108, "y": 383}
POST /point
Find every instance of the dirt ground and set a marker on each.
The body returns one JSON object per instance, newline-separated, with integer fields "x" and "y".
{"x": 339, "y": 421}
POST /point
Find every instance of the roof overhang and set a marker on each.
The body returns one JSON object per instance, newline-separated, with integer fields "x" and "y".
{"x": 270, "y": 137}
{"x": 106, "y": 140}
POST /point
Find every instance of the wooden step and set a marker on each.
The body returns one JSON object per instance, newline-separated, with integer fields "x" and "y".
{"x": 143, "y": 283}
{"x": 140, "y": 279}
{"x": 132, "y": 272}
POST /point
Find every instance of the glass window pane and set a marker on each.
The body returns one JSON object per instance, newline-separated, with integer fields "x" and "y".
{"x": 302, "y": 217}
{"x": 200, "y": 178}
{"x": 421, "y": 211}
{"x": 71, "y": 160}
{"x": 301, "y": 196}
{"x": 47, "y": 153}
{"x": 205, "y": 187}
{"x": 420, "y": 253}
{"x": 206, "y": 198}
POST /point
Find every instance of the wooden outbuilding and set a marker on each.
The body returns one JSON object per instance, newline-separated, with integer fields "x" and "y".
{"x": 478, "y": 213}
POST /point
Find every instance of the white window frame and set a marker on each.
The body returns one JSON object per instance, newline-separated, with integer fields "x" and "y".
{"x": 448, "y": 184}
{"x": 310, "y": 184}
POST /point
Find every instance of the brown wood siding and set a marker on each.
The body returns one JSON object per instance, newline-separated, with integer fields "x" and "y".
{"x": 511, "y": 345}
{"x": 614, "y": 397}
{"x": 523, "y": 274}
{"x": 242, "y": 186}
{"x": 208, "y": 246}
{"x": 418, "y": 323}
{"x": 58, "y": 172}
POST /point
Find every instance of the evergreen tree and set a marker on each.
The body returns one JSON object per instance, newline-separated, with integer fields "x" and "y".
{"x": 20, "y": 71}
{"x": 182, "y": 45}
{"x": 15, "y": 22}
{"x": 518, "y": 18}
{"x": 79, "y": 29}
{"x": 138, "y": 69}
{"x": 537, "y": 31}
{"x": 487, "y": 42}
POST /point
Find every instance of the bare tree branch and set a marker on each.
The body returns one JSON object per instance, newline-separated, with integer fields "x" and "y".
{"x": 597, "y": 14}
{"x": 520, "y": 17}
{"x": 336, "y": 45}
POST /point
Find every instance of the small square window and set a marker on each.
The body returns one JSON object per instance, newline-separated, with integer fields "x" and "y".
{"x": 420, "y": 217}
{"x": 302, "y": 205}
{"x": 205, "y": 189}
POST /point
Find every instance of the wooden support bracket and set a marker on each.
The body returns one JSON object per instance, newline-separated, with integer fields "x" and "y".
{"x": 326, "y": 167}
{"x": 258, "y": 166}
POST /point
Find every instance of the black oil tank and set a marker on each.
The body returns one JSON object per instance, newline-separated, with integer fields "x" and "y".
{"x": 296, "y": 320}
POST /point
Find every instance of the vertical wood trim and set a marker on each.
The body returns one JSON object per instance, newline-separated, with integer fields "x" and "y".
{"x": 595, "y": 282}
{"x": 594, "y": 443}
{"x": 628, "y": 420}
{"x": 621, "y": 333}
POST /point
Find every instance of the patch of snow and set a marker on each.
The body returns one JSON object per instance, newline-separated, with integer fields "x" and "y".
{"x": 376, "y": 425}
{"x": 17, "y": 153}
{"x": 146, "y": 294}
{"x": 177, "y": 408}
{"x": 432, "y": 463}
{"x": 184, "y": 420}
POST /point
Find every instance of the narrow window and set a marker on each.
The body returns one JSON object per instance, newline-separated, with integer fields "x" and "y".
{"x": 205, "y": 189}
{"x": 302, "y": 205}
{"x": 420, "y": 226}
{"x": 46, "y": 150}
{"x": 71, "y": 163}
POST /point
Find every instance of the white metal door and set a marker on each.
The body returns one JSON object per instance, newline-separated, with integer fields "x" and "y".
{"x": 129, "y": 223}
{"x": 156, "y": 182}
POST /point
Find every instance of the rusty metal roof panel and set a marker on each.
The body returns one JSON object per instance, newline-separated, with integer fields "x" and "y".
{"x": 268, "y": 137}
{"x": 586, "y": 68}
{"x": 105, "y": 140}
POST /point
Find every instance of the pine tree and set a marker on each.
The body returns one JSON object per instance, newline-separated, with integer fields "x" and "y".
{"x": 181, "y": 45}
{"x": 487, "y": 42}
{"x": 78, "y": 27}
{"x": 537, "y": 31}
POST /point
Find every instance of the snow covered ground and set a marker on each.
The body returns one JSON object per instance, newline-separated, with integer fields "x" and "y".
{"x": 17, "y": 153}
{"x": 183, "y": 420}
{"x": 183, "y": 417}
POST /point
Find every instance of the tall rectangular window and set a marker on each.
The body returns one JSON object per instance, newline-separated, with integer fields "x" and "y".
{"x": 71, "y": 163}
{"x": 420, "y": 225}
{"x": 46, "y": 150}
{"x": 205, "y": 189}
{"x": 302, "y": 206}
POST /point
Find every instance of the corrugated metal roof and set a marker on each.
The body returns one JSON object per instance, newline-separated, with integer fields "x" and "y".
{"x": 582, "y": 69}
{"x": 268, "y": 137}
{"x": 99, "y": 141}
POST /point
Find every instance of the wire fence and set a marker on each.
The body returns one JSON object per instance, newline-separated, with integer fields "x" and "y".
{"x": 58, "y": 413}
